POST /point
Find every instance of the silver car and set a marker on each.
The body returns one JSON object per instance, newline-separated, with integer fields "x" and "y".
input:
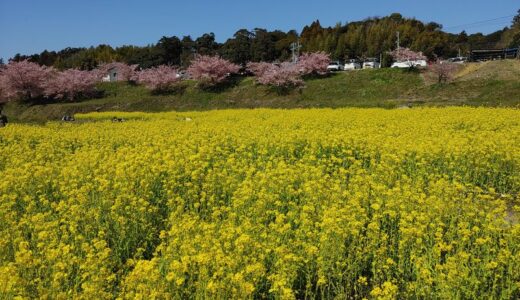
{"x": 371, "y": 63}
{"x": 352, "y": 64}
{"x": 335, "y": 66}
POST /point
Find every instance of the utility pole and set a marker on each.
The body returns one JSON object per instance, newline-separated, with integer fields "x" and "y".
{"x": 398, "y": 40}
{"x": 295, "y": 48}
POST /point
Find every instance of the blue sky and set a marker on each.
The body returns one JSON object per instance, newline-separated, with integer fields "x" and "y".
{"x": 32, "y": 26}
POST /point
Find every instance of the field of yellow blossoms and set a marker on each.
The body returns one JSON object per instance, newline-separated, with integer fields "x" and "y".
{"x": 264, "y": 204}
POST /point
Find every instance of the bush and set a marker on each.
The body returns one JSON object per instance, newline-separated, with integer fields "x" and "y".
{"x": 210, "y": 71}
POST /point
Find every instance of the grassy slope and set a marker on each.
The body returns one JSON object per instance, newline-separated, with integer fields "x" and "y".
{"x": 488, "y": 84}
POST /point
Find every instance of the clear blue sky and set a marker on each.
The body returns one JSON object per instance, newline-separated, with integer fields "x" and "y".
{"x": 29, "y": 27}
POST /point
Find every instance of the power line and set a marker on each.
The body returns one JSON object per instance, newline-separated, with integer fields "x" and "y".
{"x": 490, "y": 24}
{"x": 478, "y": 22}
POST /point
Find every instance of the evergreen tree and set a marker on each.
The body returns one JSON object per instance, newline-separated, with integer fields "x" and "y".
{"x": 516, "y": 19}
{"x": 263, "y": 46}
{"x": 170, "y": 49}
{"x": 238, "y": 49}
{"x": 188, "y": 50}
{"x": 206, "y": 44}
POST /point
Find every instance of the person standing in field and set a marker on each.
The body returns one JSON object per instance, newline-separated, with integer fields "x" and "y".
{"x": 3, "y": 119}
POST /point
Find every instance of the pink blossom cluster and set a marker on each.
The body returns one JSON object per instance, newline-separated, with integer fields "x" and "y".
{"x": 24, "y": 80}
{"x": 159, "y": 79}
{"x": 289, "y": 74}
{"x": 314, "y": 63}
{"x": 70, "y": 84}
{"x": 284, "y": 75}
{"x": 259, "y": 68}
{"x": 211, "y": 70}
{"x": 406, "y": 55}
{"x": 443, "y": 72}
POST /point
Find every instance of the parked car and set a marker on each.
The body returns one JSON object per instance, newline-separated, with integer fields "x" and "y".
{"x": 458, "y": 60}
{"x": 371, "y": 63}
{"x": 335, "y": 66}
{"x": 352, "y": 64}
{"x": 410, "y": 64}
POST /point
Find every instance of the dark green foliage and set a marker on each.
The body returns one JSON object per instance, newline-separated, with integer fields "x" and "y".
{"x": 258, "y": 45}
{"x": 263, "y": 46}
{"x": 206, "y": 44}
{"x": 170, "y": 50}
{"x": 516, "y": 19}
{"x": 188, "y": 50}
{"x": 371, "y": 37}
{"x": 238, "y": 49}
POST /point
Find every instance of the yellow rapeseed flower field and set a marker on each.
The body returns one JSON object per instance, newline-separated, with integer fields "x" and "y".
{"x": 265, "y": 204}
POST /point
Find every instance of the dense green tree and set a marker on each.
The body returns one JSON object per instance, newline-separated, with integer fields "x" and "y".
{"x": 238, "y": 48}
{"x": 145, "y": 57}
{"x": 263, "y": 46}
{"x": 188, "y": 50}
{"x": 516, "y": 19}
{"x": 512, "y": 37}
{"x": 206, "y": 44}
{"x": 170, "y": 49}
{"x": 283, "y": 45}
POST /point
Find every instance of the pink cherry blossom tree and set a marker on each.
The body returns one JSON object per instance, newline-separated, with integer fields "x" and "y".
{"x": 24, "y": 80}
{"x": 72, "y": 84}
{"x": 211, "y": 70}
{"x": 282, "y": 77}
{"x": 406, "y": 55}
{"x": 160, "y": 79}
{"x": 442, "y": 72}
{"x": 259, "y": 68}
{"x": 124, "y": 71}
{"x": 314, "y": 63}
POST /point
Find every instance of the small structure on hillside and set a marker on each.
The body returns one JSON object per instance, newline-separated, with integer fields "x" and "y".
{"x": 111, "y": 75}
{"x": 494, "y": 54}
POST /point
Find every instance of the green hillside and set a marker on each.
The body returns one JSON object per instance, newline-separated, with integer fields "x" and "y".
{"x": 480, "y": 84}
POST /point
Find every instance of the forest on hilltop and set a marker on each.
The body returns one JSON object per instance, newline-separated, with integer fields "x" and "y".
{"x": 371, "y": 37}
